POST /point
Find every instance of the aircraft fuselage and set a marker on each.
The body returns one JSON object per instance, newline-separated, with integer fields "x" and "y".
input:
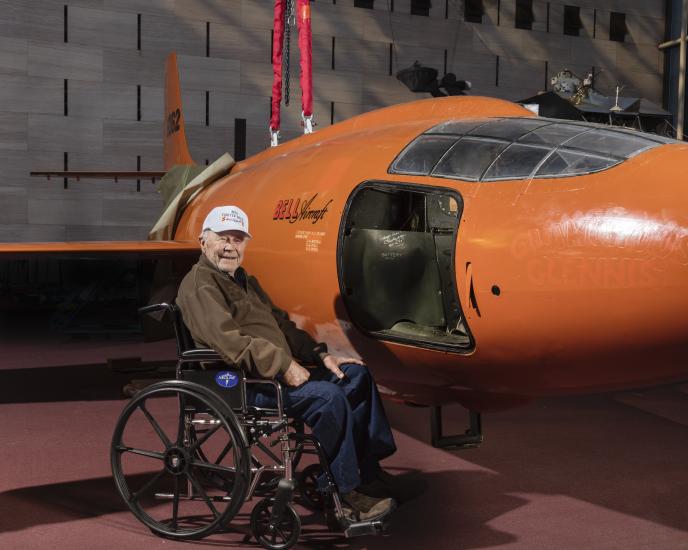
{"x": 564, "y": 284}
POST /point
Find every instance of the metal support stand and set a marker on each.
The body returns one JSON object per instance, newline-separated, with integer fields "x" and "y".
{"x": 472, "y": 438}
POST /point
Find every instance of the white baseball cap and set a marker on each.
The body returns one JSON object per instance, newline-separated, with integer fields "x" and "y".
{"x": 226, "y": 218}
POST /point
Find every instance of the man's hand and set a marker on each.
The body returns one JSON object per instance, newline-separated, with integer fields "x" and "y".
{"x": 296, "y": 375}
{"x": 332, "y": 363}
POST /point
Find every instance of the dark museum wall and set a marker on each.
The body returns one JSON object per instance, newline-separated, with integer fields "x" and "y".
{"x": 81, "y": 83}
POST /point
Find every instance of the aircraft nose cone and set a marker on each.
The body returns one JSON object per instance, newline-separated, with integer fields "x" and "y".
{"x": 605, "y": 294}
{"x": 660, "y": 240}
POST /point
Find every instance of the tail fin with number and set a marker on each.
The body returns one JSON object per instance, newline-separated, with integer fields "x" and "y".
{"x": 175, "y": 148}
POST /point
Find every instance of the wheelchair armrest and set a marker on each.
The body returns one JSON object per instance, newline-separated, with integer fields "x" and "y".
{"x": 278, "y": 391}
{"x": 193, "y": 355}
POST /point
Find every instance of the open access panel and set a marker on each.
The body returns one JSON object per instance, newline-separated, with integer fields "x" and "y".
{"x": 397, "y": 247}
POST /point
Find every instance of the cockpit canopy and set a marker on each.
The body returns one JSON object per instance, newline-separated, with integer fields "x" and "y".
{"x": 493, "y": 149}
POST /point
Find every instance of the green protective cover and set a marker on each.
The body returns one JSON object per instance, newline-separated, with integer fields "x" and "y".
{"x": 179, "y": 187}
{"x": 175, "y": 180}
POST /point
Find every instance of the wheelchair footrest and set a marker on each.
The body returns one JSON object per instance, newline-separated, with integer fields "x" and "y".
{"x": 370, "y": 527}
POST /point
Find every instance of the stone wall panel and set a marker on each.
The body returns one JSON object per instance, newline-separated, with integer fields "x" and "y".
{"x": 102, "y": 100}
{"x": 65, "y": 61}
{"x": 339, "y": 86}
{"x": 14, "y": 56}
{"x": 257, "y": 14}
{"x": 168, "y": 34}
{"x": 107, "y": 232}
{"x": 209, "y": 142}
{"x": 65, "y": 133}
{"x": 137, "y": 68}
{"x": 384, "y": 90}
{"x": 540, "y": 16}
{"x": 225, "y": 107}
{"x": 75, "y": 210}
{"x": 228, "y": 12}
{"x": 45, "y": 21}
{"x": 102, "y": 28}
{"x": 136, "y": 210}
{"x": 132, "y": 138}
{"x": 645, "y": 30}
{"x": 14, "y": 204}
{"x": 32, "y": 232}
{"x": 361, "y": 55}
{"x": 14, "y": 131}
{"x": 256, "y": 79}
{"x": 207, "y": 73}
{"x": 150, "y": 7}
{"x": 243, "y": 44}
{"x": 344, "y": 22}
{"x": 526, "y": 74}
{"x": 257, "y": 139}
{"x": 193, "y": 105}
{"x": 152, "y": 104}
{"x": 31, "y": 94}
{"x": 16, "y": 166}
{"x": 14, "y": 22}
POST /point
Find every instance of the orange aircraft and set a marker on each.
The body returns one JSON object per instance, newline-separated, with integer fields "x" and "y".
{"x": 468, "y": 250}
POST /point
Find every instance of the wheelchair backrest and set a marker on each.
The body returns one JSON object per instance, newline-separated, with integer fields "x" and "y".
{"x": 187, "y": 339}
{"x": 209, "y": 369}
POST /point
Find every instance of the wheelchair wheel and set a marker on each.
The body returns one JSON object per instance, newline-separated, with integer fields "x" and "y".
{"x": 180, "y": 460}
{"x": 311, "y": 497}
{"x": 280, "y": 537}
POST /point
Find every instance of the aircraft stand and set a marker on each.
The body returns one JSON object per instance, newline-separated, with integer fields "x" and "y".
{"x": 472, "y": 438}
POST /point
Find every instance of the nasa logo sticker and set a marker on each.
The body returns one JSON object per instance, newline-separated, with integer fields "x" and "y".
{"x": 226, "y": 379}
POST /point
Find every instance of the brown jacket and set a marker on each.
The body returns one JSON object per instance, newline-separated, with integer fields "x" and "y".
{"x": 236, "y": 318}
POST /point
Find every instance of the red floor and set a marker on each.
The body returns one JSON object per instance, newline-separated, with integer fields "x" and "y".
{"x": 604, "y": 472}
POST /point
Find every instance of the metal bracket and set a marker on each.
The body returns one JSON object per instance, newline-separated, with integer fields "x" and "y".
{"x": 472, "y": 438}
{"x": 274, "y": 138}
{"x": 307, "y": 122}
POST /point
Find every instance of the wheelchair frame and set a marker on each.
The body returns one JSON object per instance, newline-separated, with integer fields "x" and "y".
{"x": 202, "y": 413}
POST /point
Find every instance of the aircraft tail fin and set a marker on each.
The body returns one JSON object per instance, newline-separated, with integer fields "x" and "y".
{"x": 175, "y": 148}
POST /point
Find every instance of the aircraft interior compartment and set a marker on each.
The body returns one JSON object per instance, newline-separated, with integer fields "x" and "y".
{"x": 397, "y": 265}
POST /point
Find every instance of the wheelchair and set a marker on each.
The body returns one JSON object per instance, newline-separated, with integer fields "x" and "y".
{"x": 187, "y": 453}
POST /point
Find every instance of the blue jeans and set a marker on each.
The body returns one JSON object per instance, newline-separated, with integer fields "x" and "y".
{"x": 347, "y": 418}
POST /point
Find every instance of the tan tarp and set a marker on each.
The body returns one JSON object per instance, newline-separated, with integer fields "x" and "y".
{"x": 179, "y": 186}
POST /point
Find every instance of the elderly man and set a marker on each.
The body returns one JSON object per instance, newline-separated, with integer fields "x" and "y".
{"x": 227, "y": 310}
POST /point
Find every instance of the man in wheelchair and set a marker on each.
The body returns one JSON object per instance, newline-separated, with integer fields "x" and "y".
{"x": 226, "y": 309}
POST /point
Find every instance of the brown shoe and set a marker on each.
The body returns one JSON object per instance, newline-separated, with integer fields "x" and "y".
{"x": 365, "y": 508}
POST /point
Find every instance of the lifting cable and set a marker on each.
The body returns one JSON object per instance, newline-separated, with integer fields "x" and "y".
{"x": 288, "y": 23}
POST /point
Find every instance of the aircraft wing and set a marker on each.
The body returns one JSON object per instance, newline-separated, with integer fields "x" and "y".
{"x": 97, "y": 248}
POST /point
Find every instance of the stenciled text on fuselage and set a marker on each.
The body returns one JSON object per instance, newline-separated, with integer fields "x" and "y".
{"x": 295, "y": 210}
